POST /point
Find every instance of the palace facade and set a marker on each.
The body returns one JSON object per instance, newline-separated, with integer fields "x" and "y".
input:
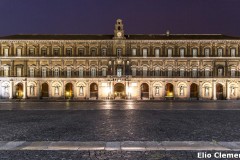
{"x": 120, "y": 66}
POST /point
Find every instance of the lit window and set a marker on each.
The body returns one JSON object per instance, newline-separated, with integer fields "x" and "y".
{"x": 134, "y": 52}
{"x": 80, "y": 71}
{"x": 145, "y": 71}
{"x": 56, "y": 72}
{"x": 206, "y": 52}
{"x": 104, "y": 72}
{"x": 233, "y": 52}
{"x": 44, "y": 72}
{"x": 220, "y": 52}
{"x": 19, "y": 71}
{"x": 182, "y": 72}
{"x": 182, "y": 50}
{"x": 6, "y": 52}
{"x": 31, "y": 72}
{"x": 134, "y": 72}
{"x": 19, "y": 52}
{"x": 68, "y": 72}
{"x": 169, "y": 52}
{"x": 194, "y": 52}
{"x": 157, "y": 52}
{"x": 145, "y": 52}
{"x": 194, "y": 72}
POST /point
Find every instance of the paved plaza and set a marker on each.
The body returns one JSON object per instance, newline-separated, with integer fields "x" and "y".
{"x": 116, "y": 121}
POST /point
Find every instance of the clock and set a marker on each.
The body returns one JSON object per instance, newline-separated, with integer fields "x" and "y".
{"x": 119, "y": 34}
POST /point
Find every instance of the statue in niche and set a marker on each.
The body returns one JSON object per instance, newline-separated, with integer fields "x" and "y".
{"x": 181, "y": 91}
{"x": 56, "y": 90}
{"x": 232, "y": 91}
{"x": 207, "y": 91}
{"x": 157, "y": 90}
{"x": 81, "y": 90}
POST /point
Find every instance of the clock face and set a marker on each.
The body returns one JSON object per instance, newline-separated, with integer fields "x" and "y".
{"x": 119, "y": 34}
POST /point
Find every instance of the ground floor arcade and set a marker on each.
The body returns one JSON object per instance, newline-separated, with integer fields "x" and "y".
{"x": 134, "y": 88}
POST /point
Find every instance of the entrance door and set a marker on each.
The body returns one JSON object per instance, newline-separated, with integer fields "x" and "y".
{"x": 194, "y": 91}
{"x": 144, "y": 91}
{"x": 169, "y": 91}
{"x": 69, "y": 90}
{"x": 219, "y": 91}
{"x": 94, "y": 91}
{"x": 19, "y": 90}
{"x": 44, "y": 90}
{"x": 119, "y": 91}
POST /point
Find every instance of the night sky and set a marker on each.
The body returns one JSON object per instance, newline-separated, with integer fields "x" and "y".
{"x": 139, "y": 16}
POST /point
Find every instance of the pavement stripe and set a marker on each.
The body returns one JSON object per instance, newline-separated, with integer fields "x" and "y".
{"x": 121, "y": 146}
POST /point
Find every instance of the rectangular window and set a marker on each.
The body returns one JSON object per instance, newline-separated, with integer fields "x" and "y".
{"x": 145, "y": 71}
{"x": 233, "y": 52}
{"x": 206, "y": 52}
{"x": 56, "y": 72}
{"x": 157, "y": 52}
{"x": 134, "y": 72}
{"x": 31, "y": 51}
{"x": 80, "y": 71}
{"x": 182, "y": 52}
{"x": 169, "y": 52}
{"x": 169, "y": 72}
{"x": 134, "y": 52}
{"x": 93, "y": 72}
{"x": 119, "y": 72}
{"x": 44, "y": 51}
{"x": 93, "y": 52}
{"x": 6, "y": 52}
{"x": 31, "y": 72}
{"x": 104, "y": 52}
{"x": 56, "y": 51}
{"x": 181, "y": 72}
{"x": 206, "y": 72}
{"x": 157, "y": 71}
{"x": 220, "y": 52}
{"x": 68, "y": 72}
{"x": 19, "y": 71}
{"x": 194, "y": 72}
{"x": 220, "y": 72}
{"x": 232, "y": 72}
{"x": 80, "y": 52}
{"x": 104, "y": 72}
{"x": 119, "y": 52}
{"x": 19, "y": 52}
{"x": 145, "y": 52}
{"x": 44, "y": 72}
{"x": 6, "y": 71}
{"x": 69, "y": 52}
{"x": 194, "y": 52}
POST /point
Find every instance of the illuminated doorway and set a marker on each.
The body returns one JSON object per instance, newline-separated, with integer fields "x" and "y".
{"x": 144, "y": 91}
{"x": 219, "y": 91}
{"x": 94, "y": 90}
{"x": 119, "y": 91}
{"x": 194, "y": 90}
{"x": 169, "y": 91}
{"x": 19, "y": 90}
{"x": 69, "y": 90}
{"x": 45, "y": 90}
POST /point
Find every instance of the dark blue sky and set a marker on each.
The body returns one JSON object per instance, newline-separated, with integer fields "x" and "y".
{"x": 139, "y": 16}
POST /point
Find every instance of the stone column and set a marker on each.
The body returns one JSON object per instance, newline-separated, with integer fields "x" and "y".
{"x": 200, "y": 91}
{"x": 112, "y": 91}
{"x": 87, "y": 91}
{"x": 214, "y": 89}
{"x": 139, "y": 91}
{"x": 1, "y": 89}
{"x": 163, "y": 89}
{"x": 39, "y": 90}
{"x": 228, "y": 90}
{"x": 63, "y": 90}
{"x": 24, "y": 89}
{"x": 11, "y": 90}
{"x": 150, "y": 91}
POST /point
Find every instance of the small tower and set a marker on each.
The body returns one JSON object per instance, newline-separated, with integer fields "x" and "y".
{"x": 118, "y": 31}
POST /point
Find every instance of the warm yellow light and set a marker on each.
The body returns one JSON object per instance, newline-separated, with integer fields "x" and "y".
{"x": 67, "y": 93}
{"x": 170, "y": 94}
